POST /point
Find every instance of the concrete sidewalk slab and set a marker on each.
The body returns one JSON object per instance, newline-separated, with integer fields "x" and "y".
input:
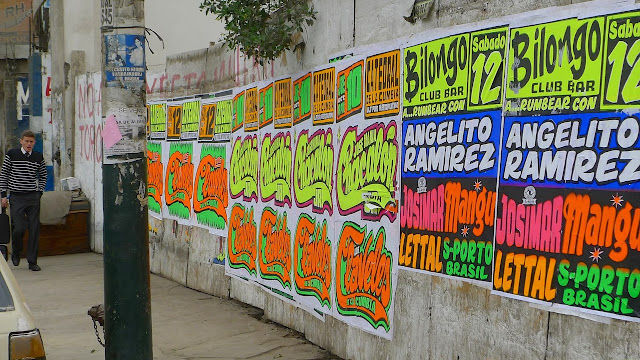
{"x": 186, "y": 324}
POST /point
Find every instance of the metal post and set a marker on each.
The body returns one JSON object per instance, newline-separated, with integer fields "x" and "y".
{"x": 124, "y": 171}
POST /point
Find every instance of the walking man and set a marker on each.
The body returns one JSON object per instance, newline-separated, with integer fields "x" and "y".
{"x": 23, "y": 176}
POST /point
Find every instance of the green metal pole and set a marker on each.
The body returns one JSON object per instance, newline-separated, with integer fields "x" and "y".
{"x": 124, "y": 171}
{"x": 126, "y": 264}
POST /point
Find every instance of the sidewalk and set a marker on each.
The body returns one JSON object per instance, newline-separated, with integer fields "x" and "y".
{"x": 186, "y": 324}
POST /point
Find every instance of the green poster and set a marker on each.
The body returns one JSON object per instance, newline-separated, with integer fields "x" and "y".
{"x": 179, "y": 180}
{"x": 275, "y": 168}
{"x": 211, "y": 194}
{"x": 154, "y": 177}
{"x": 621, "y": 68}
{"x": 486, "y": 72}
{"x": 555, "y": 67}
{"x": 244, "y": 168}
{"x": 436, "y": 77}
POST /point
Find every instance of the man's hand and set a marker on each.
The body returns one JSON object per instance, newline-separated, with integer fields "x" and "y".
{"x": 5, "y": 202}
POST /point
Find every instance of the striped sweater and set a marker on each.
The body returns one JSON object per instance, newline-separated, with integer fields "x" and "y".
{"x": 21, "y": 173}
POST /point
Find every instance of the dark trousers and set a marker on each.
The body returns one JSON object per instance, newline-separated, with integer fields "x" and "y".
{"x": 25, "y": 213}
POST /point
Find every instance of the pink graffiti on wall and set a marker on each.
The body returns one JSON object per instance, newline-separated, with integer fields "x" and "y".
{"x": 89, "y": 101}
{"x": 165, "y": 83}
{"x": 91, "y": 142}
{"x": 88, "y": 119}
{"x": 234, "y": 66}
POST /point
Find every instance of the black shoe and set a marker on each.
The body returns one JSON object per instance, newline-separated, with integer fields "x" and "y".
{"x": 15, "y": 260}
{"x": 34, "y": 267}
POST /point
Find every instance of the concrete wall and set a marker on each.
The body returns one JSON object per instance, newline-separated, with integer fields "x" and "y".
{"x": 435, "y": 318}
{"x": 81, "y": 33}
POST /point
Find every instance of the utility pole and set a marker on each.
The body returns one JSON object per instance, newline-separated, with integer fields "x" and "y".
{"x": 126, "y": 238}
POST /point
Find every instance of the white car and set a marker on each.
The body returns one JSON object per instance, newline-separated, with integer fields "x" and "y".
{"x": 18, "y": 332}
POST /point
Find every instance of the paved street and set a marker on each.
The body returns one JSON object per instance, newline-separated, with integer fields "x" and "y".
{"x": 186, "y": 324}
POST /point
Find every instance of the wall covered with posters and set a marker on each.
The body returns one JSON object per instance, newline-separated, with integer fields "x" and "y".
{"x": 471, "y": 191}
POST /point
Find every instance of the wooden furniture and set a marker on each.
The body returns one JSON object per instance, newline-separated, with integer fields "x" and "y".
{"x": 70, "y": 238}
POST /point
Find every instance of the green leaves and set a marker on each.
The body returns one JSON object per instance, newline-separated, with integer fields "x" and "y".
{"x": 262, "y": 29}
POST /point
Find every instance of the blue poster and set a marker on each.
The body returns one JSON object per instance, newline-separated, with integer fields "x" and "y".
{"x": 125, "y": 60}
{"x": 568, "y": 215}
{"x": 449, "y": 174}
{"x": 451, "y": 146}
{"x": 592, "y": 151}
